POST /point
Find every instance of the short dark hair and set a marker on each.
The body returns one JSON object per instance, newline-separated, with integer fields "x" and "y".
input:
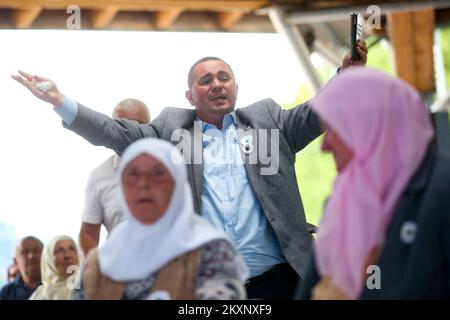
{"x": 191, "y": 70}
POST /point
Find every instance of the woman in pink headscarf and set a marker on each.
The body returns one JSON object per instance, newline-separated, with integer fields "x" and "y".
{"x": 385, "y": 230}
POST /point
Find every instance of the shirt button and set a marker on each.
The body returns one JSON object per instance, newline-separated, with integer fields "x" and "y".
{"x": 284, "y": 245}
{"x": 272, "y": 219}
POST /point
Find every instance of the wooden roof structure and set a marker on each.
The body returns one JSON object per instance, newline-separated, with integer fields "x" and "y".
{"x": 409, "y": 25}
{"x": 180, "y": 15}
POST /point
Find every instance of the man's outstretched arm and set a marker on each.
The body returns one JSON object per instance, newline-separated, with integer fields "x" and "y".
{"x": 97, "y": 128}
{"x": 48, "y": 94}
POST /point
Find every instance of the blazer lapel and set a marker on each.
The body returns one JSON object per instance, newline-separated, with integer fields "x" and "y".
{"x": 247, "y": 136}
{"x": 196, "y": 163}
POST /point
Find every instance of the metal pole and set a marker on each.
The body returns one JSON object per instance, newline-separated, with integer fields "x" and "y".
{"x": 297, "y": 42}
{"x": 327, "y": 53}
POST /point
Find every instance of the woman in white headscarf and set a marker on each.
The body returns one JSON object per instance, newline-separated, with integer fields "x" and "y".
{"x": 163, "y": 249}
{"x": 59, "y": 265}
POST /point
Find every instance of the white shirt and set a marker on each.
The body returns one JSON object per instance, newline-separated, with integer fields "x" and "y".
{"x": 102, "y": 203}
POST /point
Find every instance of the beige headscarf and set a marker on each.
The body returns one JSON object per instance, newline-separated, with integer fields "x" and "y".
{"x": 54, "y": 286}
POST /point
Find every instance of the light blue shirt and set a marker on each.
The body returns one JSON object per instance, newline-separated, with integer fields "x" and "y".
{"x": 228, "y": 200}
{"x": 68, "y": 111}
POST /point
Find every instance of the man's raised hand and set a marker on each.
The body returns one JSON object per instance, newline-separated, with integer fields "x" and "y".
{"x": 43, "y": 88}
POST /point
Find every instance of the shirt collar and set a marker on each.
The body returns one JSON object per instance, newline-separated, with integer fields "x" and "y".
{"x": 228, "y": 119}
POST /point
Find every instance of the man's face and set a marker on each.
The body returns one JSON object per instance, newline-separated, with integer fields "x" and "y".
{"x": 148, "y": 187}
{"x": 214, "y": 90}
{"x": 28, "y": 258}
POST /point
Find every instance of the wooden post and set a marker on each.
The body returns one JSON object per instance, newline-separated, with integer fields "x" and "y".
{"x": 411, "y": 34}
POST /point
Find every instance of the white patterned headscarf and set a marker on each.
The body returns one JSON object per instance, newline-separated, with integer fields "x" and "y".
{"x": 135, "y": 250}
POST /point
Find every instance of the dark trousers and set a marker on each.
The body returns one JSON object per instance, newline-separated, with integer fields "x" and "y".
{"x": 279, "y": 282}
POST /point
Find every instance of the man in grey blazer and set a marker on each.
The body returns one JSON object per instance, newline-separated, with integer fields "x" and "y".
{"x": 240, "y": 165}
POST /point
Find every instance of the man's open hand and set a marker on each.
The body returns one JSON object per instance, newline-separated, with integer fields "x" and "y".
{"x": 47, "y": 93}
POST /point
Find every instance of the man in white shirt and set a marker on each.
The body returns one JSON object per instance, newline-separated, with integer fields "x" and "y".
{"x": 102, "y": 204}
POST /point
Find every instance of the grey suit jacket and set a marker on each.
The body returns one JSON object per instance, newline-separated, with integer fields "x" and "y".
{"x": 278, "y": 193}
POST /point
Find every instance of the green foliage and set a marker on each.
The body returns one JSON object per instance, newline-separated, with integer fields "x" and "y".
{"x": 380, "y": 56}
{"x": 445, "y": 42}
{"x": 315, "y": 175}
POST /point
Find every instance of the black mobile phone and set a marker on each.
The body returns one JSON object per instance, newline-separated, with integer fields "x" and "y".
{"x": 355, "y": 34}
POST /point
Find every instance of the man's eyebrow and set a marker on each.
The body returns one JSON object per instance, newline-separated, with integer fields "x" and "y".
{"x": 205, "y": 76}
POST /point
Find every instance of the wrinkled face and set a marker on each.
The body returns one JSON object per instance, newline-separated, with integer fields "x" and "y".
{"x": 334, "y": 144}
{"x": 214, "y": 90}
{"x": 28, "y": 258}
{"x": 148, "y": 187}
{"x": 66, "y": 255}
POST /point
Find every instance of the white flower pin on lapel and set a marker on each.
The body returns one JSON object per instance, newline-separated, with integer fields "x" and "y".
{"x": 247, "y": 144}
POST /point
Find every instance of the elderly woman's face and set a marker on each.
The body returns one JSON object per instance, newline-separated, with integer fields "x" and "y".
{"x": 66, "y": 255}
{"x": 148, "y": 186}
{"x": 333, "y": 143}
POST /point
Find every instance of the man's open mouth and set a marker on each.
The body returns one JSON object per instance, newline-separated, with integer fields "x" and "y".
{"x": 218, "y": 97}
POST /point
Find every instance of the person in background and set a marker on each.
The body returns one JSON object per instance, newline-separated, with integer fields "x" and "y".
{"x": 59, "y": 267}
{"x": 12, "y": 272}
{"x": 385, "y": 232}
{"x": 102, "y": 204}
{"x": 163, "y": 249}
{"x": 27, "y": 259}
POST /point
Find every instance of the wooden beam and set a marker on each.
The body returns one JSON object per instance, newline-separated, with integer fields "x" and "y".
{"x": 165, "y": 19}
{"x": 411, "y": 34}
{"x": 424, "y": 25}
{"x": 102, "y": 18}
{"x": 226, "y": 20}
{"x": 24, "y": 18}
{"x": 133, "y": 21}
{"x": 153, "y": 5}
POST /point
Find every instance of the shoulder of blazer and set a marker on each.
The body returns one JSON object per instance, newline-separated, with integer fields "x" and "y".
{"x": 179, "y": 117}
{"x": 259, "y": 114}
{"x": 258, "y": 106}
